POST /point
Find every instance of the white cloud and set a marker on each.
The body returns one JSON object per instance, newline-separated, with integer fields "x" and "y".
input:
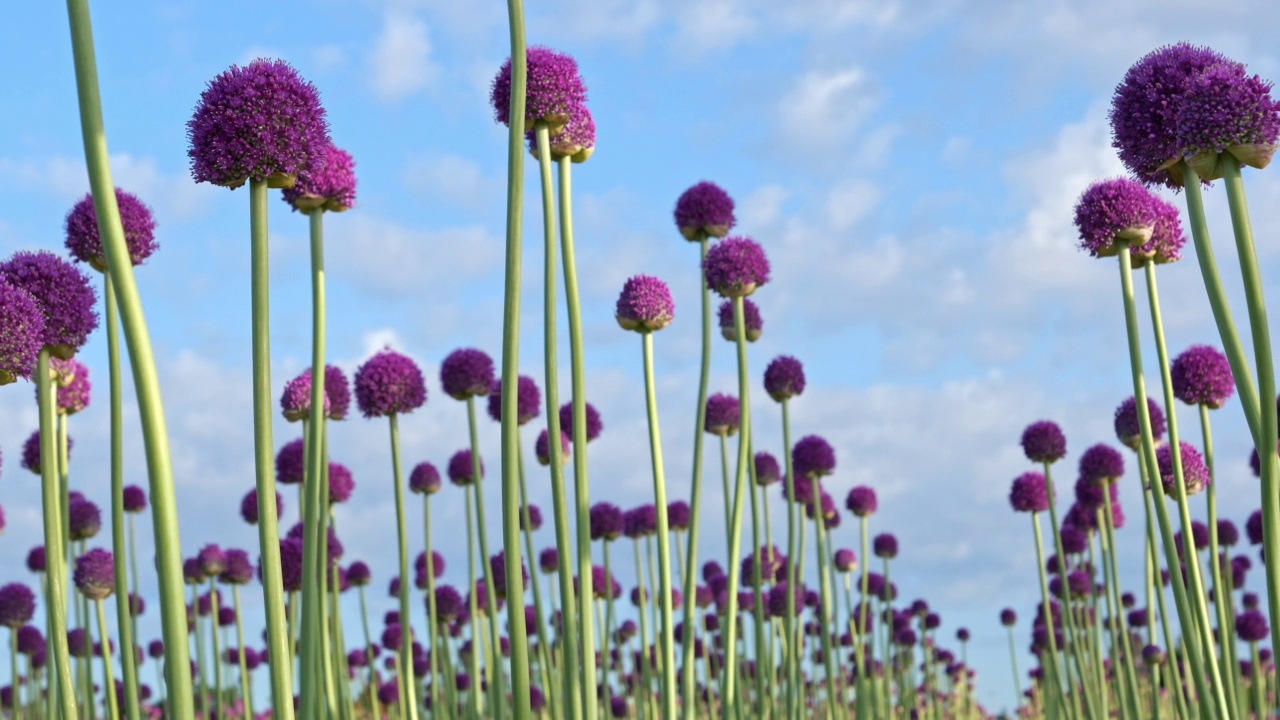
{"x": 824, "y": 108}
{"x": 456, "y": 180}
{"x": 709, "y": 25}
{"x": 385, "y": 258}
{"x": 400, "y": 61}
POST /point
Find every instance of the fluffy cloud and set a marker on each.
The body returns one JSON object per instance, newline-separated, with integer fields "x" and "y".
{"x": 400, "y": 61}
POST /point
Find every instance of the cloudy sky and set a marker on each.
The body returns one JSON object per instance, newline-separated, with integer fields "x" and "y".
{"x": 909, "y": 167}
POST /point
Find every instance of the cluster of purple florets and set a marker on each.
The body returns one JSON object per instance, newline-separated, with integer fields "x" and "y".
{"x": 388, "y": 384}
{"x": 813, "y": 457}
{"x": 606, "y": 521}
{"x": 1118, "y": 212}
{"x": 736, "y": 267}
{"x": 1029, "y": 493}
{"x": 528, "y": 400}
{"x": 85, "y": 244}
{"x": 1195, "y": 475}
{"x": 640, "y": 521}
{"x": 595, "y": 425}
{"x": 330, "y": 185}
{"x": 704, "y": 210}
{"x": 554, "y": 91}
{"x": 461, "y": 471}
{"x": 72, "y": 386}
{"x": 722, "y": 415}
{"x": 861, "y": 501}
{"x": 17, "y": 605}
{"x": 542, "y": 446}
{"x": 61, "y": 292}
{"x": 751, "y": 321}
{"x": 1128, "y": 430}
{"x": 1201, "y": 375}
{"x": 1044, "y": 442}
{"x": 21, "y": 332}
{"x": 249, "y": 507}
{"x": 341, "y": 483}
{"x": 1101, "y": 464}
{"x": 466, "y": 372}
{"x": 95, "y": 574}
{"x": 784, "y": 378}
{"x": 645, "y": 304}
{"x": 767, "y": 469}
{"x": 424, "y": 479}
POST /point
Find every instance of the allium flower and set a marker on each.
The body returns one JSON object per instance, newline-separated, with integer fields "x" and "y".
{"x": 1202, "y": 376}
{"x": 449, "y": 603}
{"x": 291, "y": 463}
{"x": 535, "y": 517}
{"x": 295, "y": 401}
{"x": 542, "y": 447}
{"x": 1075, "y": 540}
{"x": 249, "y": 507}
{"x": 1117, "y": 212}
{"x": 1228, "y": 533}
{"x": 553, "y": 89}
{"x": 213, "y": 561}
{"x": 549, "y": 560}
{"x": 528, "y": 400}
{"x": 885, "y": 545}
{"x": 290, "y": 564}
{"x": 606, "y": 521}
{"x": 259, "y": 122}
{"x": 237, "y": 568}
{"x": 135, "y": 499}
{"x": 425, "y": 479}
{"x": 85, "y": 245}
{"x": 640, "y": 522}
{"x": 36, "y": 559}
{"x": 722, "y": 415}
{"x": 784, "y": 378}
{"x": 845, "y": 560}
{"x": 594, "y": 424}
{"x": 812, "y": 457}
{"x": 30, "y": 640}
{"x": 330, "y": 185}
{"x": 751, "y": 320}
{"x": 1029, "y": 493}
{"x": 1195, "y": 475}
{"x": 84, "y": 519}
{"x": 736, "y": 267}
{"x": 1251, "y": 626}
{"x": 576, "y": 140}
{"x": 1227, "y": 110}
{"x": 767, "y": 470}
{"x": 358, "y": 574}
{"x": 389, "y": 383}
{"x": 678, "y": 515}
{"x": 61, "y": 292}
{"x": 1008, "y": 617}
{"x": 72, "y": 386}
{"x": 861, "y": 501}
{"x": 95, "y": 574}
{"x": 1043, "y": 442}
{"x": 498, "y": 567}
{"x": 645, "y": 304}
{"x": 1128, "y": 431}
{"x": 341, "y": 484}
{"x": 704, "y": 210}
{"x": 460, "y": 470}
{"x": 21, "y": 332}
{"x": 17, "y": 605}
{"x": 1101, "y": 464}
{"x": 466, "y": 372}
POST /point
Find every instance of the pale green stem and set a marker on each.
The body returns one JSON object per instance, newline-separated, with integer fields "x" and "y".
{"x": 762, "y": 661}
{"x": 794, "y": 555}
{"x": 246, "y": 688}
{"x": 1073, "y": 649}
{"x": 433, "y": 626}
{"x": 473, "y": 616}
{"x": 1221, "y": 596}
{"x": 1056, "y": 684}
{"x": 544, "y": 647}
{"x": 667, "y": 626}
{"x": 201, "y": 662}
{"x": 312, "y": 684}
{"x": 405, "y": 675}
{"x": 217, "y": 654}
{"x": 1259, "y": 680}
{"x": 109, "y": 685}
{"x": 725, "y": 486}
{"x": 824, "y": 586}
{"x": 494, "y": 669}
{"x": 607, "y": 629}
{"x": 374, "y": 705}
{"x": 1119, "y": 633}
{"x": 1017, "y": 677}
{"x": 645, "y": 664}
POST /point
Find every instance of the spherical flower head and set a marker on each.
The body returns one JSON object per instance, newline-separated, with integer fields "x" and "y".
{"x": 84, "y": 519}
{"x": 1195, "y": 475}
{"x": 1128, "y": 431}
{"x": 553, "y": 89}
{"x": 17, "y": 605}
{"x": 295, "y": 401}
{"x": 594, "y": 424}
{"x": 812, "y": 457}
{"x": 641, "y": 521}
{"x": 36, "y": 560}
{"x": 861, "y": 501}
{"x": 1202, "y": 376}
{"x": 722, "y": 415}
{"x": 258, "y": 122}
{"x": 62, "y": 293}
{"x": 291, "y": 463}
{"x": 549, "y": 560}
{"x": 72, "y": 386}
{"x": 535, "y": 517}
{"x": 767, "y": 469}
{"x": 135, "y": 499}
{"x": 79, "y": 644}
{"x": 85, "y": 245}
{"x": 1225, "y": 109}
{"x": 1008, "y": 617}
{"x": 460, "y": 469}
{"x": 1117, "y": 212}
{"x": 449, "y": 603}
{"x": 645, "y": 304}
{"x": 542, "y": 447}
{"x": 358, "y": 574}
{"x": 1043, "y": 442}
{"x": 341, "y": 483}
{"x": 21, "y": 332}
{"x": 678, "y": 516}
{"x": 330, "y": 185}
{"x": 466, "y": 372}
{"x": 95, "y": 574}
{"x": 389, "y": 383}
{"x": 845, "y": 560}
{"x": 1101, "y": 464}
{"x": 249, "y": 507}
{"x": 212, "y": 560}
{"x": 1029, "y": 493}
{"x": 885, "y": 545}
{"x": 784, "y": 378}
{"x": 290, "y": 564}
{"x": 606, "y": 521}
{"x": 30, "y": 640}
{"x": 1152, "y": 655}
{"x": 1145, "y": 109}
{"x": 237, "y": 568}
{"x": 425, "y": 479}
{"x": 528, "y": 400}
{"x": 704, "y": 210}
{"x": 498, "y": 568}
{"x": 736, "y": 267}
{"x": 1252, "y": 627}
{"x": 1075, "y": 540}
{"x": 1228, "y": 533}
{"x": 576, "y": 139}
{"x": 751, "y": 320}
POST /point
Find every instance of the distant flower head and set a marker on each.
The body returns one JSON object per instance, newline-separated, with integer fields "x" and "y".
{"x": 498, "y": 567}
{"x": 1202, "y": 376}
{"x": 238, "y": 569}
{"x": 135, "y": 499}
{"x": 1043, "y": 442}
{"x": 1227, "y": 110}
{"x": 85, "y": 245}
{"x": 36, "y": 561}
{"x": 31, "y": 451}
{"x": 645, "y": 304}
{"x": 767, "y": 470}
{"x": 594, "y": 424}
{"x": 576, "y": 139}
{"x": 845, "y": 560}
{"x": 722, "y": 415}
{"x": 17, "y": 605}
{"x": 784, "y": 378}
{"x": 30, "y": 639}
{"x": 1128, "y": 431}
{"x": 1008, "y": 617}
{"x": 84, "y": 519}
{"x": 885, "y": 545}
{"x": 640, "y": 521}
{"x": 295, "y": 401}
{"x": 72, "y": 386}
{"x": 704, "y": 210}
{"x": 449, "y": 603}
{"x": 424, "y": 479}
{"x": 466, "y": 372}
{"x": 813, "y": 457}
{"x": 461, "y": 471}
{"x": 1029, "y": 493}
{"x": 751, "y": 320}
{"x": 249, "y": 507}
{"x": 290, "y": 564}
{"x": 553, "y": 89}
{"x": 542, "y": 447}
{"x": 1075, "y": 540}
{"x": 259, "y": 122}
{"x": 329, "y": 186}
{"x": 528, "y": 400}
{"x": 606, "y": 521}
{"x": 1195, "y": 475}
{"x": 1228, "y": 533}
{"x": 389, "y": 383}
{"x": 341, "y": 483}
{"x": 291, "y": 463}
{"x": 358, "y": 574}
{"x": 1101, "y": 464}
{"x": 1252, "y": 627}
{"x": 678, "y": 515}
{"x": 1117, "y": 212}
{"x": 95, "y": 574}
{"x": 21, "y": 332}
{"x": 736, "y": 267}
{"x": 861, "y": 501}
{"x": 212, "y": 560}
{"x": 549, "y": 560}
{"x": 535, "y": 517}
{"x": 61, "y": 292}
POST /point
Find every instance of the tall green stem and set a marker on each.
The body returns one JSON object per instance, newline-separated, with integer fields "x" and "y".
{"x": 491, "y": 596}
{"x": 1119, "y": 633}
{"x": 402, "y": 537}
{"x": 473, "y": 616}
{"x": 824, "y": 586}
{"x": 311, "y": 678}
{"x": 1089, "y": 689}
{"x": 217, "y": 652}
{"x": 553, "y": 695}
{"x": 433, "y": 626}
{"x": 372, "y": 686}
{"x": 667, "y": 628}
{"x": 1017, "y": 677}
{"x": 109, "y": 685}
{"x": 1221, "y": 596}
{"x": 246, "y": 689}
{"x": 794, "y": 641}
{"x": 1055, "y": 684}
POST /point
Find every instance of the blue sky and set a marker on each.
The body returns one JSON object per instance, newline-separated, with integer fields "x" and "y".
{"x": 909, "y": 167}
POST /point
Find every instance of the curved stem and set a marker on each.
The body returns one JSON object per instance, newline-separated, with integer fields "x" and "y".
{"x": 494, "y": 670}
{"x": 1229, "y": 668}
{"x": 667, "y": 627}
{"x": 406, "y": 636}
{"x": 1056, "y": 685}
{"x": 311, "y": 685}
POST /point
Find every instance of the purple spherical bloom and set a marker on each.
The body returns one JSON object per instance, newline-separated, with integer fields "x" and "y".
{"x": 135, "y": 499}
{"x": 358, "y": 574}
{"x": 291, "y": 463}
{"x": 1252, "y": 627}
{"x": 845, "y": 560}
{"x": 784, "y": 378}
{"x": 553, "y": 89}
{"x": 576, "y": 139}
{"x": 466, "y": 372}
{"x": 1029, "y": 493}
{"x": 258, "y": 122}
{"x": 1101, "y": 464}
{"x": 678, "y": 515}
{"x": 341, "y": 484}
{"x": 290, "y": 564}
{"x": 1121, "y": 212}
{"x": 425, "y": 479}
{"x": 1043, "y": 442}
{"x": 813, "y": 457}
{"x": 885, "y": 545}
{"x": 36, "y": 561}
{"x": 237, "y": 568}
{"x": 542, "y": 447}
{"x": 498, "y": 568}
{"x": 645, "y": 304}
{"x": 549, "y": 560}
{"x": 84, "y": 519}
{"x": 751, "y": 321}
{"x": 249, "y": 507}
{"x": 30, "y": 640}
{"x": 62, "y": 293}
{"x": 85, "y": 245}
{"x": 1152, "y": 655}
{"x": 79, "y": 644}
{"x": 389, "y": 383}
{"x": 1202, "y": 376}
{"x": 767, "y": 470}
{"x": 606, "y": 521}
{"x": 1008, "y": 617}
{"x": 449, "y": 603}
{"x": 1195, "y": 475}
{"x": 618, "y": 706}
{"x": 21, "y": 332}
{"x": 337, "y": 392}
{"x": 861, "y": 501}
{"x": 461, "y": 471}
{"x": 640, "y": 522}
{"x": 95, "y": 574}
{"x": 1075, "y": 540}
{"x": 1146, "y": 106}
{"x": 535, "y": 517}
{"x": 1225, "y": 109}
{"x": 528, "y": 400}
{"x": 594, "y": 424}
{"x": 1228, "y": 533}
{"x": 704, "y": 210}
{"x": 722, "y": 415}
{"x": 295, "y": 400}
{"x": 17, "y": 605}
{"x": 736, "y": 267}
{"x": 330, "y": 185}
{"x": 72, "y": 386}
{"x": 213, "y": 561}
{"x": 1128, "y": 431}
{"x": 31, "y": 451}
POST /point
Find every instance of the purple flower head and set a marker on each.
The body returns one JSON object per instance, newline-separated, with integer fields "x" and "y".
{"x": 341, "y": 483}
{"x": 1252, "y": 627}
{"x": 751, "y": 320}
{"x": 678, "y": 515}
{"x": 1075, "y": 540}
{"x": 249, "y": 507}
{"x": 535, "y": 517}
{"x": 258, "y": 122}
{"x": 553, "y": 89}
{"x": 358, "y": 574}
{"x": 1029, "y": 493}
{"x": 576, "y": 140}
{"x": 290, "y": 564}
{"x": 606, "y": 521}
{"x": 736, "y": 267}
{"x": 640, "y": 521}
{"x": 1043, "y": 442}
{"x": 704, "y": 210}
{"x": 1195, "y": 475}
{"x": 425, "y": 479}
{"x": 1128, "y": 431}
{"x": 213, "y": 561}
{"x": 449, "y": 603}
{"x": 767, "y": 470}
{"x": 291, "y": 463}
{"x": 1228, "y": 533}
{"x": 1079, "y": 583}
{"x": 36, "y": 561}
{"x": 31, "y": 451}
{"x": 71, "y": 381}
{"x": 135, "y": 499}
{"x": 594, "y": 424}
{"x": 644, "y": 305}
{"x": 498, "y": 567}
{"x": 1145, "y": 109}
{"x": 330, "y": 185}
{"x": 542, "y": 447}
{"x": 1101, "y": 464}
{"x": 722, "y": 415}
{"x": 1008, "y": 617}
{"x": 1118, "y": 212}
{"x": 528, "y": 400}
{"x": 812, "y": 457}
{"x": 549, "y": 560}
{"x": 389, "y": 383}
{"x": 784, "y": 378}
{"x": 237, "y": 568}
{"x": 861, "y": 501}
{"x": 95, "y": 574}
{"x": 21, "y": 332}
{"x": 845, "y": 560}
{"x": 17, "y": 605}
{"x": 461, "y": 471}
{"x": 84, "y": 519}
{"x": 1202, "y": 376}
{"x": 30, "y": 639}
{"x": 337, "y": 392}
{"x": 63, "y": 295}
{"x": 885, "y": 545}
{"x": 295, "y": 401}
{"x": 1227, "y": 110}
{"x": 85, "y": 245}
{"x": 79, "y": 644}
{"x": 466, "y": 372}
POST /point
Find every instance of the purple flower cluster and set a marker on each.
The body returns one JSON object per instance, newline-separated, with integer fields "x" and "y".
{"x": 736, "y": 267}
{"x": 1118, "y": 212}
{"x": 17, "y": 605}
{"x": 861, "y": 501}
{"x": 528, "y": 400}
{"x": 645, "y": 305}
{"x": 1029, "y": 493}
{"x": 237, "y": 568}
{"x": 1043, "y": 442}
{"x": 606, "y": 521}
{"x": 784, "y": 378}
{"x": 328, "y": 186}
{"x": 845, "y": 560}
{"x": 460, "y": 469}
{"x": 1101, "y": 464}
{"x": 249, "y": 507}
{"x": 554, "y": 91}
{"x": 678, "y": 515}
{"x": 135, "y": 499}
{"x": 466, "y": 372}
{"x": 1128, "y": 429}
{"x": 885, "y": 545}
{"x": 291, "y": 463}
{"x": 722, "y": 415}
{"x": 594, "y": 423}
{"x": 83, "y": 518}
{"x": 85, "y": 245}
{"x": 341, "y": 483}
{"x": 295, "y": 401}
{"x": 641, "y": 521}
{"x": 704, "y": 210}
{"x": 767, "y": 470}
{"x": 542, "y": 447}
{"x": 71, "y": 381}
{"x": 1251, "y": 626}
{"x": 424, "y": 479}
{"x": 1224, "y": 107}
{"x": 389, "y": 383}
{"x": 1195, "y": 475}
{"x": 751, "y": 320}
{"x": 95, "y": 574}
{"x": 812, "y": 457}
{"x": 63, "y": 295}
{"x": 21, "y": 332}
{"x": 1201, "y": 375}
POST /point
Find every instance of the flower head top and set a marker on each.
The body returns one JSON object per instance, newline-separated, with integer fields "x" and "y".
{"x": 576, "y": 140}
{"x": 249, "y": 507}
{"x": 17, "y": 605}
{"x": 1128, "y": 430}
{"x": 341, "y": 483}
{"x": 389, "y": 383}
{"x": 595, "y": 425}
{"x": 554, "y": 90}
{"x": 71, "y": 380}
{"x": 95, "y": 574}
{"x": 1202, "y": 376}
{"x": 1195, "y": 475}
{"x": 751, "y": 321}
{"x": 31, "y": 451}
{"x": 1043, "y": 442}
{"x": 135, "y": 499}
{"x": 767, "y": 470}
{"x": 542, "y": 447}
{"x": 330, "y": 186}
{"x": 736, "y": 267}
{"x": 640, "y": 521}
{"x": 1029, "y": 493}
{"x": 861, "y": 501}
{"x": 885, "y": 545}
{"x": 606, "y": 521}
{"x": 722, "y": 415}
{"x": 212, "y": 559}
{"x": 704, "y": 210}
{"x": 784, "y": 378}
{"x": 295, "y": 401}
{"x": 1251, "y": 626}
{"x": 1101, "y": 464}
{"x": 1117, "y": 212}
{"x": 812, "y": 457}
{"x": 63, "y": 295}
{"x": 84, "y": 519}
{"x": 678, "y": 515}
{"x": 21, "y": 332}
{"x": 645, "y": 304}
{"x": 461, "y": 471}
{"x": 291, "y": 463}
{"x": 1227, "y": 110}
{"x": 528, "y": 400}
{"x": 82, "y": 231}
{"x": 258, "y": 122}
{"x": 238, "y": 569}
{"x": 466, "y": 372}
{"x": 424, "y": 479}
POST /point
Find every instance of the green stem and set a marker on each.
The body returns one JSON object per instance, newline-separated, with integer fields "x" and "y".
{"x": 1055, "y": 685}
{"x": 645, "y": 663}
{"x": 824, "y": 586}
{"x": 109, "y": 685}
{"x": 667, "y": 627}
{"x": 372, "y": 688}
{"x": 763, "y": 663}
{"x": 13, "y": 669}
{"x": 217, "y": 653}
{"x": 312, "y": 679}
{"x": 1072, "y": 649}
{"x": 607, "y": 630}
{"x": 865, "y": 650}
{"x": 794, "y": 690}
{"x": 1017, "y": 677}
{"x": 725, "y": 485}
{"x": 544, "y": 647}
{"x": 473, "y": 616}
{"x": 433, "y": 622}
{"x": 246, "y": 689}
{"x": 1221, "y": 596}
{"x": 1119, "y": 633}
{"x": 493, "y": 670}
{"x": 406, "y": 580}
